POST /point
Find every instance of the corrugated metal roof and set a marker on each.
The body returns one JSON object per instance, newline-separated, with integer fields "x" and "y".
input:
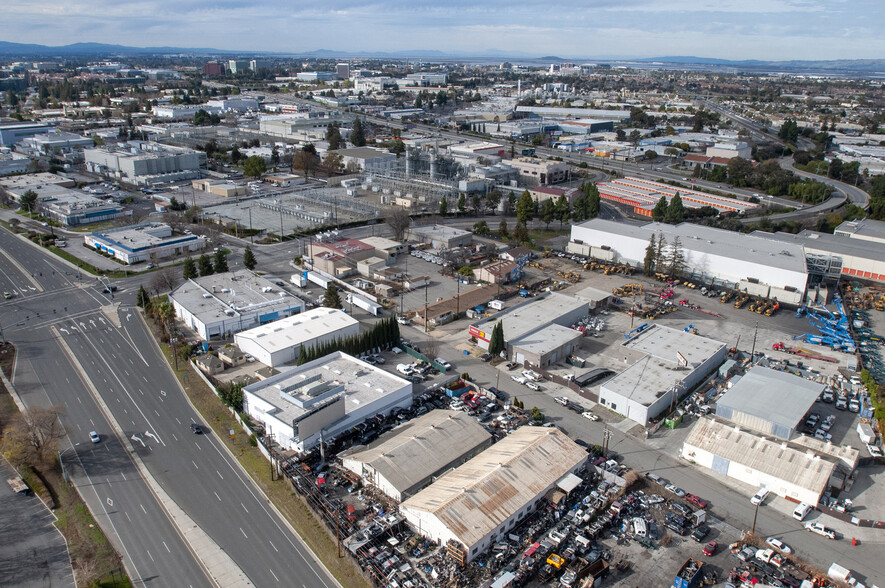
{"x": 780, "y": 459}
{"x": 476, "y": 498}
{"x": 423, "y": 447}
{"x": 777, "y": 397}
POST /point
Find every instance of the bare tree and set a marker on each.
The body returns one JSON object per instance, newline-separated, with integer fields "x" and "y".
{"x": 430, "y": 348}
{"x": 398, "y": 220}
{"x": 32, "y": 437}
{"x": 163, "y": 280}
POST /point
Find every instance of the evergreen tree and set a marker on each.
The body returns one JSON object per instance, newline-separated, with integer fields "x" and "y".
{"x": 520, "y": 233}
{"x": 443, "y": 207}
{"x": 331, "y": 299}
{"x": 659, "y": 212}
{"x": 650, "y": 255}
{"x": 205, "y": 265}
{"x": 302, "y": 356}
{"x": 563, "y": 210}
{"x": 496, "y": 341}
{"x": 660, "y": 250}
{"x": 524, "y": 208}
{"x": 249, "y": 259}
{"x": 189, "y": 269}
{"x": 547, "y": 212}
{"x": 676, "y": 258}
{"x": 220, "y": 262}
{"x": 697, "y": 171}
{"x": 462, "y": 203}
{"x": 593, "y": 201}
{"x": 675, "y": 211}
{"x": 503, "y": 231}
{"x": 357, "y": 134}
{"x": 143, "y": 300}
{"x": 580, "y": 205}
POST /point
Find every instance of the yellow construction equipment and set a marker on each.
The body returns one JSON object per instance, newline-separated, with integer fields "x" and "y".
{"x": 627, "y": 290}
{"x": 727, "y": 296}
{"x": 741, "y": 300}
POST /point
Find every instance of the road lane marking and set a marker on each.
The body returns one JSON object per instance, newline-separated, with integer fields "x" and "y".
{"x": 173, "y": 436}
{"x": 127, "y": 516}
{"x": 149, "y": 554}
{"x": 244, "y": 508}
{"x": 179, "y": 422}
{"x": 142, "y": 508}
{"x": 219, "y": 474}
{"x": 244, "y": 533}
{"x": 143, "y": 378}
{"x": 78, "y": 400}
{"x": 216, "y": 495}
{"x": 195, "y": 464}
{"x": 155, "y": 412}
{"x": 274, "y": 546}
{"x": 124, "y": 476}
{"x": 166, "y": 546}
{"x": 198, "y": 446}
{"x": 273, "y": 574}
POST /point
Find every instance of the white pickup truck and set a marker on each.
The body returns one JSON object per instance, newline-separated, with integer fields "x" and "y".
{"x": 532, "y": 375}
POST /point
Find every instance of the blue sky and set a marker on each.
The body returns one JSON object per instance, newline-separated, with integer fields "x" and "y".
{"x": 728, "y": 29}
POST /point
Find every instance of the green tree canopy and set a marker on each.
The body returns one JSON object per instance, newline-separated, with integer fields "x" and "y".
{"x": 357, "y": 134}
{"x": 563, "y": 210}
{"x": 189, "y": 269}
{"x": 524, "y": 208}
{"x": 254, "y": 166}
{"x": 249, "y": 258}
{"x": 443, "y": 206}
{"x": 496, "y": 341}
{"x": 547, "y": 212}
{"x": 331, "y": 299}
{"x": 28, "y": 201}
{"x": 659, "y": 212}
{"x": 220, "y": 262}
{"x": 675, "y": 211}
{"x": 205, "y": 265}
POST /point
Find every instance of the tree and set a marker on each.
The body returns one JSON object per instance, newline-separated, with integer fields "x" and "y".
{"x": 142, "y": 299}
{"x": 235, "y": 155}
{"x": 331, "y": 299}
{"x": 789, "y": 131}
{"x": 189, "y": 269}
{"x": 503, "y": 231}
{"x": 563, "y": 210}
{"x": 357, "y": 134}
{"x": 249, "y": 259}
{"x": 203, "y": 118}
{"x": 462, "y": 203}
{"x": 520, "y": 233}
{"x": 481, "y": 228}
{"x": 580, "y": 206}
{"x": 524, "y": 208}
{"x": 398, "y": 221}
{"x": 205, "y": 265}
{"x": 306, "y": 159}
{"x": 28, "y": 201}
{"x": 254, "y": 166}
{"x": 32, "y": 437}
{"x": 547, "y": 212}
{"x": 333, "y": 136}
{"x": 443, "y": 206}
{"x": 676, "y": 258}
{"x": 333, "y": 162}
{"x": 675, "y": 211}
{"x": 496, "y": 341}
{"x": 651, "y": 155}
{"x": 220, "y": 262}
{"x": 659, "y": 252}
{"x": 659, "y": 212}
{"x": 650, "y": 256}
{"x": 302, "y": 355}
{"x": 593, "y": 202}
{"x": 697, "y": 171}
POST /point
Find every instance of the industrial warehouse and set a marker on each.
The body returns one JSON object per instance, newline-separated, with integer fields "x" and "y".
{"x": 414, "y": 454}
{"x": 321, "y": 399}
{"x": 483, "y": 499}
{"x": 643, "y": 195}
{"x": 666, "y": 364}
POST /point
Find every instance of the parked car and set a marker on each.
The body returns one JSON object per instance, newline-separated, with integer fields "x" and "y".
{"x": 874, "y": 450}
{"x": 700, "y": 532}
{"x": 759, "y": 497}
{"x": 519, "y": 379}
{"x": 675, "y": 490}
{"x": 589, "y": 415}
{"x": 681, "y": 508}
{"x": 801, "y": 511}
{"x": 561, "y": 400}
{"x": 779, "y": 545}
{"x": 195, "y": 429}
{"x": 533, "y": 386}
{"x": 94, "y": 437}
{"x": 820, "y": 529}
{"x": 486, "y": 357}
{"x": 696, "y": 500}
{"x": 710, "y": 548}
{"x": 445, "y": 365}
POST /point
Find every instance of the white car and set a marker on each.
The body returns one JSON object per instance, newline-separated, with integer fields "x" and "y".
{"x": 779, "y": 545}
{"x": 874, "y": 450}
{"x": 820, "y": 529}
{"x": 519, "y": 380}
{"x": 589, "y": 415}
{"x": 94, "y": 437}
{"x": 533, "y": 386}
{"x": 760, "y": 496}
{"x": 445, "y": 365}
{"x": 675, "y": 490}
{"x": 562, "y": 400}
{"x": 405, "y": 369}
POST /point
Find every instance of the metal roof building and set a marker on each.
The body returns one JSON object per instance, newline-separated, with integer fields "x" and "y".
{"x": 407, "y": 460}
{"x": 280, "y": 341}
{"x": 769, "y": 401}
{"x": 789, "y": 470}
{"x": 657, "y": 376}
{"x": 483, "y": 499}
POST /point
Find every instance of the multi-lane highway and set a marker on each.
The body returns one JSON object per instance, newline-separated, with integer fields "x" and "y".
{"x": 92, "y": 355}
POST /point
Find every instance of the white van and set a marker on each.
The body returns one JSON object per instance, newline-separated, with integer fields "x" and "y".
{"x": 801, "y": 511}
{"x": 760, "y": 496}
{"x": 639, "y": 527}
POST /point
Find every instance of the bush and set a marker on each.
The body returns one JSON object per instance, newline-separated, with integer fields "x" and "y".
{"x": 253, "y": 440}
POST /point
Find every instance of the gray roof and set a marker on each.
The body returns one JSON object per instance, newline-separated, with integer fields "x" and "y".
{"x": 834, "y": 244}
{"x": 365, "y": 153}
{"x": 778, "y": 397}
{"x": 863, "y": 228}
{"x": 423, "y": 447}
{"x": 209, "y": 298}
{"x": 778, "y": 459}
{"x": 593, "y": 294}
{"x": 532, "y": 314}
{"x": 546, "y": 339}
{"x": 438, "y": 232}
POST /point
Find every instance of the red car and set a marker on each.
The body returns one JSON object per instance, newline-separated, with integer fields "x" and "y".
{"x": 710, "y": 548}
{"x": 696, "y": 500}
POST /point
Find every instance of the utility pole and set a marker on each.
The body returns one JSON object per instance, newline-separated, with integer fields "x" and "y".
{"x": 250, "y": 226}
{"x": 753, "y": 352}
{"x": 281, "y": 221}
{"x": 458, "y": 296}
{"x": 606, "y": 437}
{"x": 426, "y": 288}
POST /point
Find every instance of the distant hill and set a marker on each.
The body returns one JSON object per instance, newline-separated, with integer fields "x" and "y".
{"x": 7, "y": 48}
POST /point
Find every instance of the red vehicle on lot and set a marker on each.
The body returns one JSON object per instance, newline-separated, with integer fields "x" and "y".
{"x": 696, "y": 500}
{"x": 710, "y": 548}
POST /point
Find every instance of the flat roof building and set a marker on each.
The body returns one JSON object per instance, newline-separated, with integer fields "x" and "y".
{"x": 769, "y": 401}
{"x": 280, "y": 341}
{"x": 864, "y": 229}
{"x": 441, "y": 236}
{"x": 143, "y": 163}
{"x": 481, "y": 501}
{"x": 787, "y": 469}
{"x": 322, "y": 399}
{"x": 411, "y": 456}
{"x": 643, "y": 195}
{"x": 534, "y": 172}
{"x": 667, "y": 364}
{"x": 230, "y": 302}
{"x": 12, "y": 133}
{"x": 143, "y": 242}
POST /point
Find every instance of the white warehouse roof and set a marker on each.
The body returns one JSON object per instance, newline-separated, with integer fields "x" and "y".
{"x": 298, "y": 329}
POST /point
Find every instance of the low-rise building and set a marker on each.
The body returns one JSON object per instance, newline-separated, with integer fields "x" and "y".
{"x": 55, "y": 142}
{"x": 320, "y": 400}
{"x": 534, "y": 172}
{"x": 279, "y": 342}
{"x": 441, "y": 236}
{"x": 144, "y": 242}
{"x": 367, "y": 158}
{"x": 224, "y": 188}
{"x": 222, "y": 304}
{"x": 209, "y": 364}
{"x": 664, "y": 365}
{"x": 12, "y": 133}
{"x": 13, "y": 163}
{"x": 143, "y": 163}
{"x": 479, "y": 503}
{"x": 730, "y": 150}
{"x": 409, "y": 458}
{"x": 497, "y": 272}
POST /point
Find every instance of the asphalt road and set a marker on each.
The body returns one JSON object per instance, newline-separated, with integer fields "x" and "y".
{"x": 143, "y": 397}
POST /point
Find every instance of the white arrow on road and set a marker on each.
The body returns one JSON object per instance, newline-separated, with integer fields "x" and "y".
{"x": 64, "y": 330}
{"x": 93, "y": 323}
{"x": 82, "y": 325}
{"x": 101, "y": 320}
{"x": 137, "y": 438}
{"x": 162, "y": 392}
{"x": 152, "y": 436}
{"x": 128, "y": 316}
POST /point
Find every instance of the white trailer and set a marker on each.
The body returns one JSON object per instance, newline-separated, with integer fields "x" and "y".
{"x": 299, "y": 280}
{"x": 865, "y": 432}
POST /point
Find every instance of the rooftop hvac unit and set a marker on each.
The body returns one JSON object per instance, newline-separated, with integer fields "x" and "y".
{"x": 225, "y": 290}
{"x": 207, "y": 295}
{"x": 229, "y": 312}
